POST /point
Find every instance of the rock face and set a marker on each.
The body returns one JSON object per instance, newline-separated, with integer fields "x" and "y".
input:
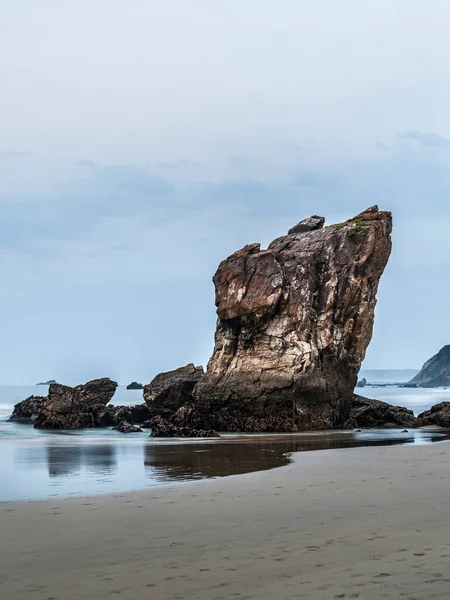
{"x": 294, "y": 322}
{"x": 125, "y": 427}
{"x": 170, "y": 391}
{"x": 439, "y": 414}
{"x": 435, "y": 372}
{"x": 73, "y": 408}
{"x": 28, "y": 410}
{"x": 366, "y": 412}
{"x": 135, "y": 386}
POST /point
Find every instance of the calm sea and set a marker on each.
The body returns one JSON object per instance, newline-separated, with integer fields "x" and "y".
{"x": 41, "y": 464}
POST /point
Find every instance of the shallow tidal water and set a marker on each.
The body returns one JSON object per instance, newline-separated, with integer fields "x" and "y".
{"x": 40, "y": 464}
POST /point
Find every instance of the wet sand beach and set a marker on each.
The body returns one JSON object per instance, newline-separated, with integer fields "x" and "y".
{"x": 364, "y": 523}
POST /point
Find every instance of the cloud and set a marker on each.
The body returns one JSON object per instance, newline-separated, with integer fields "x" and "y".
{"x": 426, "y": 140}
{"x": 12, "y": 154}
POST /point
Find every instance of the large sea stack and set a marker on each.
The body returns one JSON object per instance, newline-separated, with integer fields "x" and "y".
{"x": 294, "y": 323}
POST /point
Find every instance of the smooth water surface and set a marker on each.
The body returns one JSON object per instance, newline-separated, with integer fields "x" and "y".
{"x": 41, "y": 464}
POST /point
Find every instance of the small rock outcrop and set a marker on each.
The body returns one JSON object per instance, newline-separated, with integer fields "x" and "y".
{"x": 435, "y": 372}
{"x": 75, "y": 407}
{"x": 362, "y": 383}
{"x": 310, "y": 224}
{"x": 294, "y": 322}
{"x": 163, "y": 428}
{"x": 439, "y": 414}
{"x": 135, "y": 386}
{"x": 28, "y": 410}
{"x": 47, "y": 382}
{"x": 126, "y": 427}
{"x": 113, "y": 415}
{"x": 366, "y": 412}
{"x": 168, "y": 392}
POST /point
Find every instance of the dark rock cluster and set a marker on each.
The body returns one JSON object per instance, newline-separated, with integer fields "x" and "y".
{"x": 439, "y": 415}
{"x": 365, "y": 412}
{"x": 75, "y": 407}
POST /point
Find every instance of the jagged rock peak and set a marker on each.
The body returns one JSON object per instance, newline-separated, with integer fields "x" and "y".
{"x": 310, "y": 224}
{"x": 370, "y": 215}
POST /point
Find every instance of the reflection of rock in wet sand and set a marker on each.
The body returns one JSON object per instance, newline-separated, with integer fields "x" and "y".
{"x": 68, "y": 460}
{"x": 100, "y": 459}
{"x": 63, "y": 460}
{"x": 195, "y": 461}
{"x": 217, "y": 459}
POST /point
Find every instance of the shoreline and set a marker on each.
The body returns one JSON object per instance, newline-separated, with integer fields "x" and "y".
{"x": 73, "y": 467}
{"x": 352, "y": 523}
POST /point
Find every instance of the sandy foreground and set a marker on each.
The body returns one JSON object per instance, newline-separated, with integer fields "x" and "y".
{"x": 366, "y": 523}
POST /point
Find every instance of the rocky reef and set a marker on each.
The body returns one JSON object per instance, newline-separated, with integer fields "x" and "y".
{"x": 435, "y": 372}
{"x": 294, "y": 322}
{"x": 75, "y": 407}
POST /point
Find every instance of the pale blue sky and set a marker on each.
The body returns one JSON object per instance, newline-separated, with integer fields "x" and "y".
{"x": 142, "y": 142}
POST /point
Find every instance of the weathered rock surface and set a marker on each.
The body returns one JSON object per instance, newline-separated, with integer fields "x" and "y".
{"x": 163, "y": 428}
{"x": 439, "y": 414}
{"x": 28, "y": 410}
{"x": 294, "y": 322}
{"x": 126, "y": 427}
{"x": 366, "y": 412}
{"x": 113, "y": 415}
{"x": 169, "y": 391}
{"x": 435, "y": 372}
{"x": 135, "y": 386}
{"x": 75, "y": 407}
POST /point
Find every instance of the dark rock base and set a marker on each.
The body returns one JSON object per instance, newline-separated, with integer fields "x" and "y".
{"x": 163, "y": 428}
